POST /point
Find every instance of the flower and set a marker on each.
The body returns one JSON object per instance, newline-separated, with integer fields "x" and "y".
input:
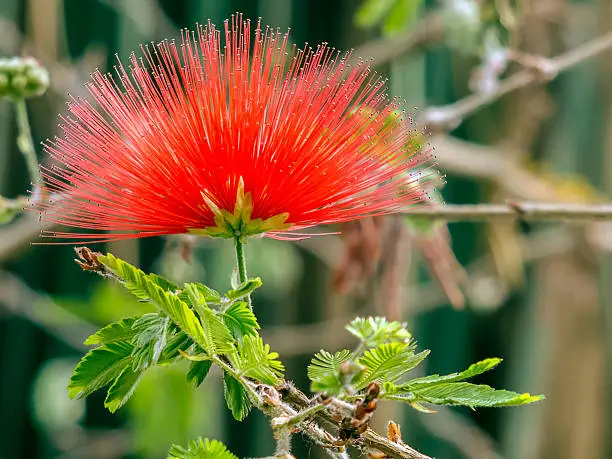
{"x": 231, "y": 139}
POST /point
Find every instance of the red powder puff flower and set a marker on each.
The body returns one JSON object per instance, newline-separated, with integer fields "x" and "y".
{"x": 235, "y": 139}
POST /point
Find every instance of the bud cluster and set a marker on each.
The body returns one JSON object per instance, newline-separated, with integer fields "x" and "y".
{"x": 22, "y": 77}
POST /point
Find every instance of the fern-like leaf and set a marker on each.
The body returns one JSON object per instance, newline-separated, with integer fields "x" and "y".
{"x": 210, "y": 334}
{"x": 240, "y": 319}
{"x": 254, "y": 360}
{"x": 465, "y": 394}
{"x": 374, "y": 331}
{"x": 388, "y": 362}
{"x": 326, "y": 373}
{"x": 201, "y": 449}
{"x": 99, "y": 367}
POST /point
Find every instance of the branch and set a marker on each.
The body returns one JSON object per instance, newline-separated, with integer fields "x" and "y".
{"x": 495, "y": 165}
{"x": 383, "y": 50}
{"x": 450, "y": 116}
{"x": 17, "y": 235}
{"x": 20, "y": 300}
{"x": 523, "y": 211}
{"x": 372, "y": 440}
{"x": 377, "y": 442}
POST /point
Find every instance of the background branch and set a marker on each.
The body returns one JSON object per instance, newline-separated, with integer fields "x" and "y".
{"x": 545, "y": 69}
{"x": 525, "y": 211}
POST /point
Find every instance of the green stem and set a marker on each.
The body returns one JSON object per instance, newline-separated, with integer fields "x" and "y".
{"x": 25, "y": 143}
{"x": 302, "y": 415}
{"x": 238, "y": 377}
{"x": 241, "y": 260}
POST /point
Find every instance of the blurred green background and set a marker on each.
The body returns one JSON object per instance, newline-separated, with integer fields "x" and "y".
{"x": 538, "y": 295}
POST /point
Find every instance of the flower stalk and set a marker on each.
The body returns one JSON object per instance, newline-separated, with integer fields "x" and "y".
{"x": 241, "y": 262}
{"x": 25, "y": 143}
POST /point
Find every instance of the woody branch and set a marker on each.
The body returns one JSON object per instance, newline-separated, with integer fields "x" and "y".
{"x": 524, "y": 211}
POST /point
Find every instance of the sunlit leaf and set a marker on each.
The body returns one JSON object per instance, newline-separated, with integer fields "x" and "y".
{"x": 473, "y": 370}
{"x": 466, "y": 394}
{"x": 388, "y": 362}
{"x": 201, "y": 449}
{"x": 150, "y": 340}
{"x": 254, "y": 360}
{"x": 450, "y": 390}
{"x": 111, "y": 333}
{"x": 326, "y": 373}
{"x": 99, "y": 367}
{"x": 373, "y": 331}
{"x": 240, "y": 319}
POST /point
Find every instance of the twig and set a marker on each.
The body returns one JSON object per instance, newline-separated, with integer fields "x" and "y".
{"x": 369, "y": 438}
{"x": 21, "y": 300}
{"x": 297, "y": 418}
{"x": 524, "y": 211}
{"x": 372, "y": 440}
{"x": 495, "y": 165}
{"x": 381, "y": 51}
{"x": 450, "y": 116}
{"x": 25, "y": 143}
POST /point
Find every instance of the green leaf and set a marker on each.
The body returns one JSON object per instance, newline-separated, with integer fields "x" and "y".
{"x": 401, "y": 16}
{"x": 473, "y": 370}
{"x": 99, "y": 367}
{"x": 373, "y": 331}
{"x": 244, "y": 289}
{"x": 148, "y": 327}
{"x": 240, "y": 320}
{"x": 254, "y": 360}
{"x": 326, "y": 371}
{"x": 198, "y": 371}
{"x": 135, "y": 280}
{"x": 164, "y": 283}
{"x": 218, "y": 338}
{"x": 150, "y": 340}
{"x": 389, "y": 362}
{"x": 177, "y": 341}
{"x": 211, "y": 334}
{"x": 372, "y": 12}
{"x": 122, "y": 389}
{"x": 201, "y": 449}
{"x": 111, "y": 333}
{"x": 466, "y": 394}
{"x": 209, "y": 295}
{"x": 236, "y": 397}
{"x": 449, "y": 390}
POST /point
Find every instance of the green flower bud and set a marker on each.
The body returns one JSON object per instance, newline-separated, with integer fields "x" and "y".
{"x": 22, "y": 77}
{"x": 19, "y": 83}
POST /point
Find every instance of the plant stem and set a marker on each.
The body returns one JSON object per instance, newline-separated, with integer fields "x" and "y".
{"x": 25, "y": 143}
{"x": 241, "y": 260}
{"x": 238, "y": 377}
{"x": 307, "y": 413}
